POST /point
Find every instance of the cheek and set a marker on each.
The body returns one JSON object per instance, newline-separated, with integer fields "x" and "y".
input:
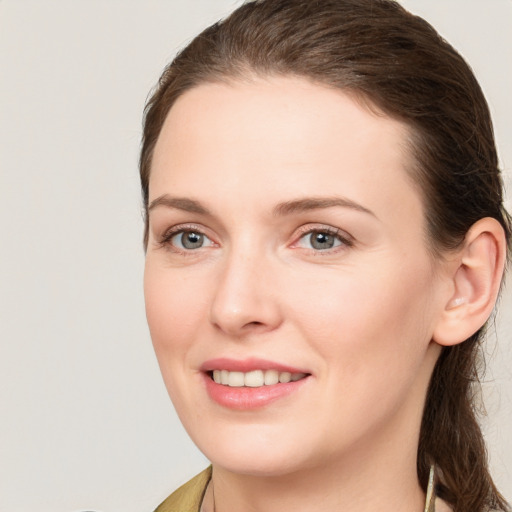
{"x": 371, "y": 334}
{"x": 173, "y": 304}
{"x": 380, "y": 316}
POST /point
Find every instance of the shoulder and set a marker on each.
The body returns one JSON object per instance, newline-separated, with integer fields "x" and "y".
{"x": 189, "y": 496}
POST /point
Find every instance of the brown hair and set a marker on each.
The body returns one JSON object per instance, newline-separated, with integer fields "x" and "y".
{"x": 398, "y": 64}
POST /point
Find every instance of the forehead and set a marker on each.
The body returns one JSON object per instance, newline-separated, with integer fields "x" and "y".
{"x": 281, "y": 136}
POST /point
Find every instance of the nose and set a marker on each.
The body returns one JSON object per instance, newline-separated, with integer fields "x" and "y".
{"x": 245, "y": 299}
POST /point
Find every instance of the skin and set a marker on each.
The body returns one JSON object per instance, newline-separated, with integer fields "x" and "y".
{"x": 359, "y": 318}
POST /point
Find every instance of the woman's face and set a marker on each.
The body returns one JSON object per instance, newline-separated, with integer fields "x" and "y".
{"x": 286, "y": 237}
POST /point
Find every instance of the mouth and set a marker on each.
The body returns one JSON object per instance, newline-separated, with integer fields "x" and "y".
{"x": 254, "y": 378}
{"x": 252, "y": 383}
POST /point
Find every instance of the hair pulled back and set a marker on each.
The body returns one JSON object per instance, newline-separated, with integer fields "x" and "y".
{"x": 398, "y": 65}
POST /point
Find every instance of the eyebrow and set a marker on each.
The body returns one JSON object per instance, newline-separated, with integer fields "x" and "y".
{"x": 316, "y": 203}
{"x": 282, "y": 209}
{"x": 179, "y": 203}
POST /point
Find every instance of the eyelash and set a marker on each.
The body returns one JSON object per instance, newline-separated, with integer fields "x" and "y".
{"x": 166, "y": 238}
{"x": 346, "y": 241}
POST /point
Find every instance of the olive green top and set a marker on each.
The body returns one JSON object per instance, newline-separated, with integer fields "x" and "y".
{"x": 188, "y": 497}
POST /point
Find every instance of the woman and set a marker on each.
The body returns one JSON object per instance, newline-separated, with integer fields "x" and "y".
{"x": 325, "y": 242}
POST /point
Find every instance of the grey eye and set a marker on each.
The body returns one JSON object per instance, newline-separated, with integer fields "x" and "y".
{"x": 190, "y": 240}
{"x": 320, "y": 240}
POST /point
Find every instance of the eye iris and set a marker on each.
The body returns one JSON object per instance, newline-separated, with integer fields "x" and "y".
{"x": 322, "y": 241}
{"x": 191, "y": 240}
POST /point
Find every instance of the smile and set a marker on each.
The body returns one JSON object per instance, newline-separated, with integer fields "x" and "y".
{"x": 252, "y": 383}
{"x": 255, "y": 378}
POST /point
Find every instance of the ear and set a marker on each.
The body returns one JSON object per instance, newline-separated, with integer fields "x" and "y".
{"x": 475, "y": 283}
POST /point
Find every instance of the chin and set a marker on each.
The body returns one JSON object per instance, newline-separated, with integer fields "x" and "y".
{"x": 254, "y": 452}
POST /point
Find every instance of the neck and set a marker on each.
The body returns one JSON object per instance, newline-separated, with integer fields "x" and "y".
{"x": 364, "y": 481}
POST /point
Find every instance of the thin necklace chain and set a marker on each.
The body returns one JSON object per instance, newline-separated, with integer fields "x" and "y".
{"x": 429, "y": 500}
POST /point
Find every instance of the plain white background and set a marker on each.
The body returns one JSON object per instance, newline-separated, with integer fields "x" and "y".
{"x": 85, "y": 422}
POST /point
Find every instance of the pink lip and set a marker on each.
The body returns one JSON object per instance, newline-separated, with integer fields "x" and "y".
{"x": 249, "y": 398}
{"x": 247, "y": 365}
{"x": 246, "y": 398}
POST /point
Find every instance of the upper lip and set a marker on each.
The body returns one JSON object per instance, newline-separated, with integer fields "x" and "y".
{"x": 247, "y": 365}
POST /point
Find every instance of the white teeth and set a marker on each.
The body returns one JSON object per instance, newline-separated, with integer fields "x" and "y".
{"x": 285, "y": 377}
{"x": 271, "y": 377}
{"x": 255, "y": 378}
{"x": 236, "y": 379}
